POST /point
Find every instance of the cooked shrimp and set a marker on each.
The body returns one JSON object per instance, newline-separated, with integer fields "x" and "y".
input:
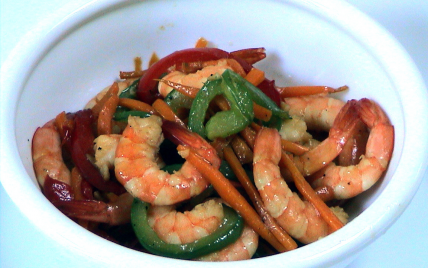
{"x": 47, "y": 155}
{"x": 350, "y": 181}
{"x": 137, "y": 169}
{"x": 105, "y": 151}
{"x": 318, "y": 112}
{"x": 242, "y": 249}
{"x": 175, "y": 227}
{"x": 299, "y": 218}
{"x": 342, "y": 128}
{"x": 198, "y": 78}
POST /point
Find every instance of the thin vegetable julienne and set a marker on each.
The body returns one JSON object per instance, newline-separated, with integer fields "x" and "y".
{"x": 104, "y": 121}
{"x": 166, "y": 112}
{"x": 233, "y": 198}
{"x": 309, "y": 194}
{"x": 252, "y": 192}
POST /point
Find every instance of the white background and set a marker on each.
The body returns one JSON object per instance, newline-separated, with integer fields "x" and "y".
{"x": 405, "y": 244}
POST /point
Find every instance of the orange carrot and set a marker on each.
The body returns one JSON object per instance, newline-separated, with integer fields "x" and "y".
{"x": 233, "y": 198}
{"x": 293, "y": 147}
{"x": 261, "y": 112}
{"x": 136, "y": 105}
{"x": 298, "y": 91}
{"x": 138, "y": 72}
{"x": 113, "y": 90}
{"x": 255, "y": 76}
{"x": 249, "y": 136}
{"x": 185, "y": 90}
{"x": 254, "y": 195}
{"x": 166, "y": 112}
{"x": 104, "y": 124}
{"x": 201, "y": 42}
{"x": 242, "y": 150}
{"x": 309, "y": 194}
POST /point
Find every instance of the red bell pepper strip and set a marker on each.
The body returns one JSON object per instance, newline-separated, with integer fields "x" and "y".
{"x": 147, "y": 89}
{"x": 56, "y": 190}
{"x": 82, "y": 145}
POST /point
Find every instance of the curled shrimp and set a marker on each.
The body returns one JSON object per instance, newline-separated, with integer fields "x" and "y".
{"x": 318, "y": 113}
{"x": 175, "y": 227}
{"x": 299, "y": 218}
{"x": 137, "y": 169}
{"x": 349, "y": 181}
{"x": 343, "y": 121}
{"x": 198, "y": 78}
{"x": 242, "y": 249}
{"x": 47, "y": 155}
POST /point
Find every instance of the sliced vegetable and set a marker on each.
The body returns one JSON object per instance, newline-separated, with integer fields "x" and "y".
{"x": 81, "y": 146}
{"x": 147, "y": 86}
{"x": 122, "y": 116}
{"x": 224, "y": 123}
{"x": 228, "y": 232}
{"x": 177, "y": 101}
{"x": 131, "y": 91}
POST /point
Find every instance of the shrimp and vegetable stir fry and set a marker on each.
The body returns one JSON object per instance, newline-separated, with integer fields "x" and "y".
{"x": 202, "y": 157}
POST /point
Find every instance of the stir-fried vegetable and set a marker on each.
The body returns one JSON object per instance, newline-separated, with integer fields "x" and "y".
{"x": 228, "y": 147}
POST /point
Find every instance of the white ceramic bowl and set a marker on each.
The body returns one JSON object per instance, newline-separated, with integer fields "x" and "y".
{"x": 308, "y": 42}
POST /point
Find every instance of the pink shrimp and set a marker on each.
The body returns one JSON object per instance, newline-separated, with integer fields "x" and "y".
{"x": 137, "y": 169}
{"x": 347, "y": 182}
{"x": 198, "y": 78}
{"x": 299, "y": 218}
{"x": 47, "y": 155}
{"x": 342, "y": 129}
{"x": 175, "y": 227}
{"x": 242, "y": 249}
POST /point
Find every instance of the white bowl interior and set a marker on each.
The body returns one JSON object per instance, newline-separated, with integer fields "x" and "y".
{"x": 307, "y": 44}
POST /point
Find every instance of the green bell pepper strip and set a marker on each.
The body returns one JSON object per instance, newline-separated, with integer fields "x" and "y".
{"x": 227, "y": 233}
{"x": 122, "y": 115}
{"x": 224, "y": 123}
{"x": 177, "y": 100}
{"x": 131, "y": 91}
{"x": 257, "y": 95}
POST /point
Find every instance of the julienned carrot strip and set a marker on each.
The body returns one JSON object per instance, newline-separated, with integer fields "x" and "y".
{"x": 138, "y": 71}
{"x": 254, "y": 195}
{"x": 136, "y": 105}
{"x": 293, "y": 147}
{"x": 249, "y": 136}
{"x": 113, "y": 90}
{"x": 233, "y": 198}
{"x": 104, "y": 124}
{"x": 298, "y": 91}
{"x": 309, "y": 194}
{"x": 255, "y": 76}
{"x": 185, "y": 90}
{"x": 201, "y": 42}
{"x": 261, "y": 112}
{"x": 166, "y": 112}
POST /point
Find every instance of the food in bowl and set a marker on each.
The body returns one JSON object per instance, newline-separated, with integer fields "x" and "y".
{"x": 113, "y": 166}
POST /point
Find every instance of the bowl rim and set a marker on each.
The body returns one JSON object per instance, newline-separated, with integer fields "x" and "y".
{"x": 51, "y": 31}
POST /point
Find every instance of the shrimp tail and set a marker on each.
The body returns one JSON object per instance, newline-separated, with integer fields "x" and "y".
{"x": 182, "y": 136}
